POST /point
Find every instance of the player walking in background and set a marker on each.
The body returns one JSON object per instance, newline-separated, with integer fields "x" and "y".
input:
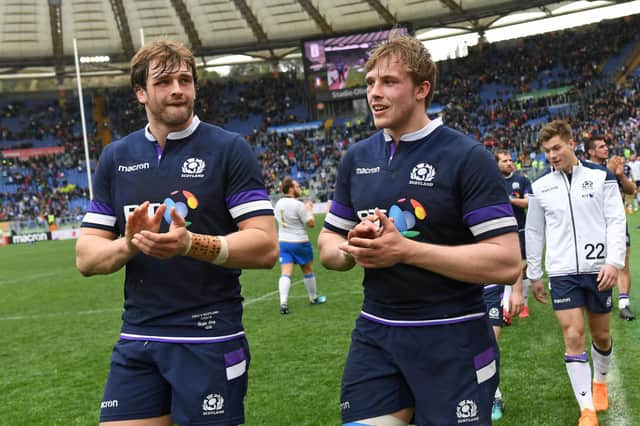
{"x": 501, "y": 300}
{"x": 576, "y": 208}
{"x": 181, "y": 204}
{"x": 422, "y": 208}
{"x": 518, "y": 187}
{"x": 294, "y": 217}
{"x": 598, "y": 153}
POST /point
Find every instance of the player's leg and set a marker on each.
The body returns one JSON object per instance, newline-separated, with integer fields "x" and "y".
{"x": 599, "y": 314}
{"x": 576, "y": 358}
{"x": 135, "y": 393}
{"x": 601, "y": 350}
{"x": 399, "y": 418}
{"x": 463, "y": 374}
{"x": 493, "y": 299}
{"x": 569, "y": 301}
{"x": 373, "y": 389}
{"x": 507, "y": 315}
{"x": 526, "y": 283}
{"x": 304, "y": 257}
{"x": 624, "y": 288}
{"x": 286, "y": 271}
{"x": 208, "y": 380}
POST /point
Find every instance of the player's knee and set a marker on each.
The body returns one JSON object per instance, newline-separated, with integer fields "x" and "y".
{"x": 386, "y": 420}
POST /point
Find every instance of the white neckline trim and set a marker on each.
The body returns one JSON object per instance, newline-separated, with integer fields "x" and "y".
{"x": 422, "y": 133}
{"x": 175, "y": 135}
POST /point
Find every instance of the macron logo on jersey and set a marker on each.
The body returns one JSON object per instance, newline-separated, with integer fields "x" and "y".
{"x": 367, "y": 170}
{"x": 133, "y": 168}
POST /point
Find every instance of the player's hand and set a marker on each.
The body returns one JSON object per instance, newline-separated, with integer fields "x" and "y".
{"x": 516, "y": 303}
{"x": 368, "y": 228}
{"x": 140, "y": 220}
{"x": 384, "y": 250}
{"x": 607, "y": 277}
{"x": 539, "y": 292}
{"x": 616, "y": 165}
{"x": 165, "y": 245}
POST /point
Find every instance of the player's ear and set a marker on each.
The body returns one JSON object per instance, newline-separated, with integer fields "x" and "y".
{"x": 422, "y": 91}
{"x": 141, "y": 94}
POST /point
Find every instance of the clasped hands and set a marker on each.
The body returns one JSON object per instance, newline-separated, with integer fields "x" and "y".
{"x": 142, "y": 233}
{"x": 375, "y": 242}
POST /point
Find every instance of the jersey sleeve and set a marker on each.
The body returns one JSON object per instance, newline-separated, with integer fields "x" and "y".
{"x": 615, "y": 223}
{"x": 342, "y": 217}
{"x": 304, "y": 214}
{"x": 485, "y": 203}
{"x": 534, "y": 237}
{"x": 100, "y": 213}
{"x": 245, "y": 193}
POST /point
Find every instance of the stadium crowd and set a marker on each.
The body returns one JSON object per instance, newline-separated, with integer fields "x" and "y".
{"x": 501, "y": 94}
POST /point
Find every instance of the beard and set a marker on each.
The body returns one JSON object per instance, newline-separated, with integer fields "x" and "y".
{"x": 172, "y": 116}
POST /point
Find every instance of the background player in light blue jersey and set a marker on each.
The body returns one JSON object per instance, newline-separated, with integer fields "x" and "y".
{"x": 181, "y": 204}
{"x": 575, "y": 210}
{"x": 294, "y": 217}
{"x": 423, "y": 209}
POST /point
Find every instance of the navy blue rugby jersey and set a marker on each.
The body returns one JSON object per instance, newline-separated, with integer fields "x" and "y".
{"x": 440, "y": 187}
{"x": 213, "y": 179}
{"x": 518, "y": 186}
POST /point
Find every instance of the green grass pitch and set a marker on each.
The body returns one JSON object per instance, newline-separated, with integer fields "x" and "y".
{"x": 58, "y": 329}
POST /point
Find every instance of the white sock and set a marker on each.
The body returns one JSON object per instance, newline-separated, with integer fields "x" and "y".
{"x": 506, "y": 295}
{"x": 310, "y": 284}
{"x": 284, "y": 284}
{"x": 600, "y": 362}
{"x": 580, "y": 378}
{"x": 498, "y": 394}
{"x": 623, "y": 300}
{"x": 526, "y": 285}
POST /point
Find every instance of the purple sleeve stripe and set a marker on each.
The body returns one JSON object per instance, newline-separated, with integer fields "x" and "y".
{"x": 484, "y": 358}
{"x": 246, "y": 197}
{"x": 487, "y": 213}
{"x": 99, "y": 207}
{"x": 235, "y": 357}
{"x": 576, "y": 358}
{"x": 342, "y": 211}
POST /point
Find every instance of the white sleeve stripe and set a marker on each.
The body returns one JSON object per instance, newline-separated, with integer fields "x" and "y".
{"x": 249, "y": 207}
{"x": 339, "y": 222}
{"x": 99, "y": 219}
{"x": 491, "y": 225}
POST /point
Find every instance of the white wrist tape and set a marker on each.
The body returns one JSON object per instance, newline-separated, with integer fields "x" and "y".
{"x": 188, "y": 243}
{"x": 224, "y": 251}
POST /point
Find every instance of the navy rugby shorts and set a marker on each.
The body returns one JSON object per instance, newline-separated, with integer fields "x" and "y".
{"x": 197, "y": 383}
{"x": 493, "y": 299}
{"x": 575, "y": 291}
{"x": 448, "y": 373}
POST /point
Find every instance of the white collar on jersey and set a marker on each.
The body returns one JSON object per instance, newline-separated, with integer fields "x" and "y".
{"x": 175, "y": 135}
{"x": 422, "y": 133}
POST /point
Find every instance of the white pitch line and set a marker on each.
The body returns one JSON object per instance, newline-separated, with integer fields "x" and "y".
{"x": 29, "y": 278}
{"x": 618, "y": 413}
{"x": 101, "y": 311}
{"x": 58, "y": 314}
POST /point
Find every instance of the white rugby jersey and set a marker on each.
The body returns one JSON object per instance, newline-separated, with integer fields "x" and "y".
{"x": 292, "y": 218}
{"x": 581, "y": 218}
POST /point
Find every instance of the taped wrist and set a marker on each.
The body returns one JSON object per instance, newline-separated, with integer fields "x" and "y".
{"x": 209, "y": 248}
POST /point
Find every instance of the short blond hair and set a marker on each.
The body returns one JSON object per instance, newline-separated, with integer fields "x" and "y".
{"x": 413, "y": 54}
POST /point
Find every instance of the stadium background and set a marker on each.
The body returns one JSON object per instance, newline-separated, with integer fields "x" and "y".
{"x": 58, "y": 329}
